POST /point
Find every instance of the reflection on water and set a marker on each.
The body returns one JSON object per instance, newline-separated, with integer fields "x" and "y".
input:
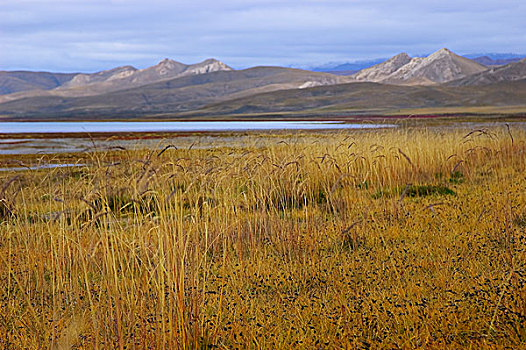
{"x": 114, "y": 127}
{"x": 42, "y": 166}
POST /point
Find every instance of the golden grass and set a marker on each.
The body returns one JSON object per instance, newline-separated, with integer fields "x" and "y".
{"x": 392, "y": 239}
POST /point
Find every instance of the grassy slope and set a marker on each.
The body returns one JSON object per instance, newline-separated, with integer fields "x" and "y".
{"x": 16, "y": 81}
{"x": 509, "y": 72}
{"x": 251, "y": 93}
{"x": 289, "y": 241}
{"x": 375, "y": 98}
{"x": 181, "y": 94}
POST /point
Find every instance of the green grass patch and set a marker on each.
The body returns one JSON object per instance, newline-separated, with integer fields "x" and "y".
{"x": 416, "y": 191}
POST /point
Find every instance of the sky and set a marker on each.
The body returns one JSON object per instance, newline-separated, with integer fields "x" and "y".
{"x": 91, "y": 35}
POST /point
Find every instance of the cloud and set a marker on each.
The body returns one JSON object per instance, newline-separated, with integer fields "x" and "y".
{"x": 82, "y": 35}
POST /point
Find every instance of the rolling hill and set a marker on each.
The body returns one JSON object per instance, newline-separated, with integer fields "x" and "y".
{"x": 510, "y": 72}
{"x": 212, "y": 89}
{"x": 120, "y": 78}
{"x": 371, "y": 98}
{"x": 175, "y": 95}
{"x": 17, "y": 81}
{"x": 488, "y": 61}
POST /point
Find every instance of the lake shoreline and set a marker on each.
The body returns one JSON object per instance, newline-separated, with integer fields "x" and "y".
{"x": 134, "y": 127}
{"x": 73, "y": 142}
{"x": 345, "y": 117}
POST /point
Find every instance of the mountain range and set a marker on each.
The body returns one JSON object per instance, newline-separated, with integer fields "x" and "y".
{"x": 488, "y": 61}
{"x": 347, "y": 68}
{"x": 81, "y": 84}
{"x": 171, "y": 89}
{"x": 440, "y": 67}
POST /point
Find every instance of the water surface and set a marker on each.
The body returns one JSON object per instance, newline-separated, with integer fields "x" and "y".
{"x": 41, "y": 166}
{"x": 203, "y": 126}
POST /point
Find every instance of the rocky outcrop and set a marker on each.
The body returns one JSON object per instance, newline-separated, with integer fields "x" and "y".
{"x": 383, "y": 70}
{"x": 439, "y": 67}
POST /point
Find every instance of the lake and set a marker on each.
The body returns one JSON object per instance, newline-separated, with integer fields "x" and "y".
{"x": 47, "y": 138}
{"x": 203, "y": 126}
{"x": 179, "y": 134}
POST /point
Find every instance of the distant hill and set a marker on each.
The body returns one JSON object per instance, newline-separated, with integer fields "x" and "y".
{"x": 211, "y": 88}
{"x": 340, "y": 68}
{"x": 180, "y": 94}
{"x": 83, "y": 79}
{"x": 439, "y": 67}
{"x": 119, "y": 78}
{"x": 227, "y": 93}
{"x": 496, "y": 56}
{"x": 16, "y": 81}
{"x": 370, "y": 98}
{"x": 488, "y": 61}
{"x": 510, "y": 72}
{"x": 341, "y": 72}
{"x": 128, "y": 77}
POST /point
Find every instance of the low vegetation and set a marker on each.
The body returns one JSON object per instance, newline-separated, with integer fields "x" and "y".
{"x": 394, "y": 239}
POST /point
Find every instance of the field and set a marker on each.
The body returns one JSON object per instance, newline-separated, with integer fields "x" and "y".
{"x": 406, "y": 238}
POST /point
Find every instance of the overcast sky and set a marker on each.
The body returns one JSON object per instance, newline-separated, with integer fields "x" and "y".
{"x": 90, "y": 35}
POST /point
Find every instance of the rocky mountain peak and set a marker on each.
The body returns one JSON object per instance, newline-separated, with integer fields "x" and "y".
{"x": 207, "y": 66}
{"x": 215, "y": 63}
{"x": 382, "y": 70}
{"x": 128, "y": 76}
{"x": 443, "y": 51}
{"x": 441, "y": 54}
{"x": 399, "y": 60}
{"x": 167, "y": 66}
{"x": 401, "y": 56}
{"x": 110, "y": 74}
{"x": 166, "y": 62}
{"x": 439, "y": 67}
{"x": 211, "y": 61}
